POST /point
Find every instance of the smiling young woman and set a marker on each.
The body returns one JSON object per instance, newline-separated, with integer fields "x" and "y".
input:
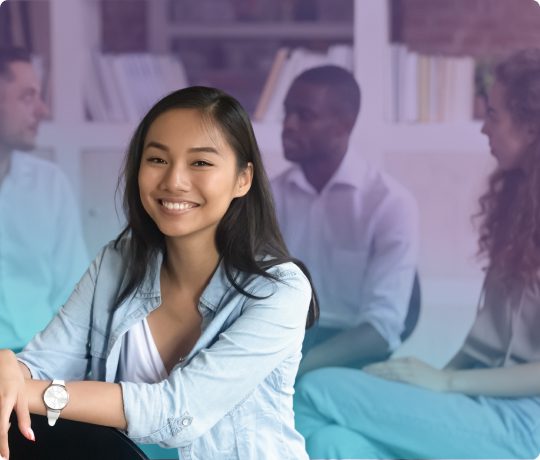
{"x": 191, "y": 322}
{"x": 189, "y": 175}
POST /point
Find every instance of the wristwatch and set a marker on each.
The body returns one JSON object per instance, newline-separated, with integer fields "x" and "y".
{"x": 55, "y": 398}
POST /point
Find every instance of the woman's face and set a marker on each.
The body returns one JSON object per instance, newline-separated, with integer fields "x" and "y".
{"x": 188, "y": 175}
{"x": 507, "y": 139}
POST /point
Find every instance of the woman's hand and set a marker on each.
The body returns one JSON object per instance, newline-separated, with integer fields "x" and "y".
{"x": 12, "y": 397}
{"x": 413, "y": 371}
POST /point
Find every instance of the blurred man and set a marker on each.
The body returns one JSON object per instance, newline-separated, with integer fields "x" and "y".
{"x": 353, "y": 226}
{"x": 42, "y": 252}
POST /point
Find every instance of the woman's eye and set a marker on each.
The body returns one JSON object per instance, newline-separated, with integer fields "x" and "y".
{"x": 201, "y": 163}
{"x": 156, "y": 160}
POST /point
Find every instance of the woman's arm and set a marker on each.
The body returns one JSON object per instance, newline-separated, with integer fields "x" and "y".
{"x": 92, "y": 402}
{"x": 62, "y": 349}
{"x": 99, "y": 403}
{"x": 517, "y": 381}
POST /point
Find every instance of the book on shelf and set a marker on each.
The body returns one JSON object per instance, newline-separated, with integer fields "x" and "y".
{"x": 428, "y": 89}
{"x": 424, "y": 85}
{"x": 287, "y": 65}
{"x": 404, "y": 80}
{"x": 271, "y": 81}
{"x": 125, "y": 86}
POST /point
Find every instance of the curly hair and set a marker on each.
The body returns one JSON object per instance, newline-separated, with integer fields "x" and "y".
{"x": 510, "y": 209}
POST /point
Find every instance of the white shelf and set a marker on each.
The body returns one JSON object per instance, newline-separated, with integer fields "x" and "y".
{"x": 436, "y": 138}
{"x": 262, "y": 30}
{"x": 87, "y": 135}
{"x": 90, "y": 135}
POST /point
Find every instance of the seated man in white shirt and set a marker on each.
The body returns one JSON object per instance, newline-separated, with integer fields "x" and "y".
{"x": 42, "y": 252}
{"x": 354, "y": 227}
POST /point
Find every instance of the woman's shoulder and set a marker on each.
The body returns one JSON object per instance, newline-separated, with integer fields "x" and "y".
{"x": 285, "y": 270}
{"x": 282, "y": 275}
{"x": 113, "y": 259}
{"x": 114, "y": 250}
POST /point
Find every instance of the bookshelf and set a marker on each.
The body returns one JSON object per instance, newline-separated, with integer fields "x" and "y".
{"x": 235, "y": 52}
{"x": 445, "y": 166}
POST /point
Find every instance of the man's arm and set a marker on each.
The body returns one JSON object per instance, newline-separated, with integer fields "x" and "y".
{"x": 347, "y": 348}
{"x": 390, "y": 274}
{"x": 387, "y": 288}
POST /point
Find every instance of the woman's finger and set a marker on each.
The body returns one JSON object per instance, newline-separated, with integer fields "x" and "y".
{"x": 23, "y": 417}
{"x": 5, "y": 412}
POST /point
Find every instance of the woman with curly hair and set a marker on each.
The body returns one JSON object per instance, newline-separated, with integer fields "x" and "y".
{"x": 486, "y": 402}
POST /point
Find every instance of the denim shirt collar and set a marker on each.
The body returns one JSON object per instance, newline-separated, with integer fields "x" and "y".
{"x": 151, "y": 286}
{"x": 211, "y": 296}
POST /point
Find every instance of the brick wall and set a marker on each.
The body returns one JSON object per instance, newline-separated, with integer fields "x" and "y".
{"x": 466, "y": 27}
{"x": 124, "y": 26}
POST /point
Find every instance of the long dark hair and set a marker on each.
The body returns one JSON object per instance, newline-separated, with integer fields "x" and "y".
{"x": 247, "y": 232}
{"x": 510, "y": 209}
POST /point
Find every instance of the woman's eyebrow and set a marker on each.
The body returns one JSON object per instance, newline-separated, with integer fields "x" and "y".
{"x": 157, "y": 145}
{"x": 203, "y": 149}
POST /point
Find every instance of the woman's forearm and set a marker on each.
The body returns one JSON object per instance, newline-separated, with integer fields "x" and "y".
{"x": 92, "y": 402}
{"x": 516, "y": 381}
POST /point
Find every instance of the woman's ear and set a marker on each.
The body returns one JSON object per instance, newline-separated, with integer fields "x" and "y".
{"x": 243, "y": 182}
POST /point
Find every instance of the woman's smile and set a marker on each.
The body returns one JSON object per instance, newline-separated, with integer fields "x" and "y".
{"x": 177, "y": 207}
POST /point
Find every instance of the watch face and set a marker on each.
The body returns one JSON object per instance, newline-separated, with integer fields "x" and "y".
{"x": 56, "y": 397}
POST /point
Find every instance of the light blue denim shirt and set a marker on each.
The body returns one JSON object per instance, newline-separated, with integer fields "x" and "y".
{"x": 230, "y": 399}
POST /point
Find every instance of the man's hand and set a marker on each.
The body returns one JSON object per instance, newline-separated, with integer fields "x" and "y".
{"x": 413, "y": 371}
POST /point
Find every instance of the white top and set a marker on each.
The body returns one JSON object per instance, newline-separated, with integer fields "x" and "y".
{"x": 359, "y": 239}
{"x": 140, "y": 360}
{"x": 42, "y": 251}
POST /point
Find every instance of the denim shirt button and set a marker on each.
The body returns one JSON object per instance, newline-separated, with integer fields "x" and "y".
{"x": 186, "y": 421}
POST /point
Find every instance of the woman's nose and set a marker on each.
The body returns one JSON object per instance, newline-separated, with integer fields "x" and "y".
{"x": 176, "y": 179}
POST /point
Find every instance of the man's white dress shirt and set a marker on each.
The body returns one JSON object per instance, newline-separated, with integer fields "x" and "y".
{"x": 359, "y": 239}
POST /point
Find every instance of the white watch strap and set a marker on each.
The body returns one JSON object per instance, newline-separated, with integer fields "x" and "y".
{"x": 59, "y": 382}
{"x": 52, "y": 416}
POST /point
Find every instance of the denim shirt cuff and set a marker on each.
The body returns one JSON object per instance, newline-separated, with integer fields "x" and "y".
{"x": 146, "y": 423}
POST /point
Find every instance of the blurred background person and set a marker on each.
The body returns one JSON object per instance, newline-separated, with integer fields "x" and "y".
{"x": 42, "y": 252}
{"x": 354, "y": 226}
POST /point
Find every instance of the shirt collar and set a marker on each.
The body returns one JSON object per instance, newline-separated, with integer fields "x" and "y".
{"x": 351, "y": 172}
{"x": 20, "y": 168}
{"x": 211, "y": 297}
{"x": 214, "y": 292}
